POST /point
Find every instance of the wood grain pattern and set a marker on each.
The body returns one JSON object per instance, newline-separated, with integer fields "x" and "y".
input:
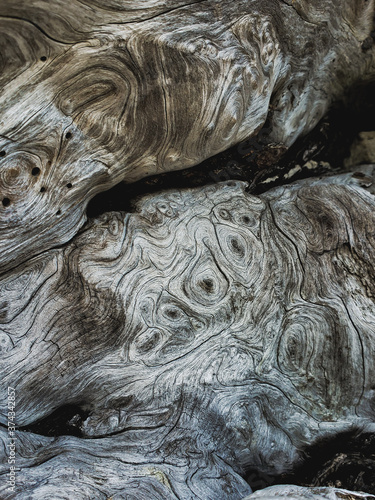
{"x": 207, "y": 332}
{"x": 106, "y": 91}
{"x": 300, "y": 493}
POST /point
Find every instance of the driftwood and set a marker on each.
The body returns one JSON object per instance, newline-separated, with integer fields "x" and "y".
{"x": 300, "y": 493}
{"x": 208, "y": 332}
{"x": 104, "y": 91}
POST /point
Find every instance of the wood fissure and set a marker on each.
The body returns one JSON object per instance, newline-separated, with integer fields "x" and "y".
{"x": 179, "y": 329}
{"x": 208, "y": 337}
{"x": 153, "y": 94}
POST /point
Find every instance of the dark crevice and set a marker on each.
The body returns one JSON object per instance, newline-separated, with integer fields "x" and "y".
{"x": 65, "y": 421}
{"x": 346, "y": 461}
{"x": 257, "y": 160}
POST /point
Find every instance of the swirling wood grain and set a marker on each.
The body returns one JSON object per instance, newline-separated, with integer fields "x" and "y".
{"x": 105, "y": 91}
{"x": 207, "y": 333}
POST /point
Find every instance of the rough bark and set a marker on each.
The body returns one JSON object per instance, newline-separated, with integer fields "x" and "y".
{"x": 207, "y": 332}
{"x": 104, "y": 91}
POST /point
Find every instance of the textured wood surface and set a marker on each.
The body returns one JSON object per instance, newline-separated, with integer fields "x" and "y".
{"x": 105, "y": 91}
{"x": 300, "y": 493}
{"x": 208, "y": 332}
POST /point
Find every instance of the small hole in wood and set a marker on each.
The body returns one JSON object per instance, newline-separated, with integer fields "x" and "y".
{"x": 6, "y": 202}
{"x": 58, "y": 212}
{"x": 42, "y": 189}
{"x": 35, "y": 171}
{"x": 68, "y": 135}
{"x": 69, "y": 185}
{"x": 43, "y": 58}
{"x": 2, "y": 153}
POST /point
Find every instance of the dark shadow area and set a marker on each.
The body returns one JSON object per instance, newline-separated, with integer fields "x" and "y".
{"x": 347, "y": 461}
{"x": 65, "y": 421}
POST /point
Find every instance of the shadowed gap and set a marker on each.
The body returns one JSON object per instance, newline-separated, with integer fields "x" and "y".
{"x": 345, "y": 461}
{"x": 256, "y": 160}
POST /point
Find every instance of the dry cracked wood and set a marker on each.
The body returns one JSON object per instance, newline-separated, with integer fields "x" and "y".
{"x": 206, "y": 333}
{"x": 299, "y": 493}
{"x": 104, "y": 91}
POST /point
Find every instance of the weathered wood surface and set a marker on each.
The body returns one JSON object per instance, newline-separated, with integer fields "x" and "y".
{"x": 300, "y": 493}
{"x": 208, "y": 332}
{"x": 109, "y": 90}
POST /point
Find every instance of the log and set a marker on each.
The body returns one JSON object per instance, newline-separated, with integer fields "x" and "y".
{"x": 118, "y": 90}
{"x": 207, "y": 333}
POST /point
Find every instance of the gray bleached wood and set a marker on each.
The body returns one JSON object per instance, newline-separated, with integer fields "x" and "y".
{"x": 107, "y": 91}
{"x": 206, "y": 333}
{"x": 300, "y": 493}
